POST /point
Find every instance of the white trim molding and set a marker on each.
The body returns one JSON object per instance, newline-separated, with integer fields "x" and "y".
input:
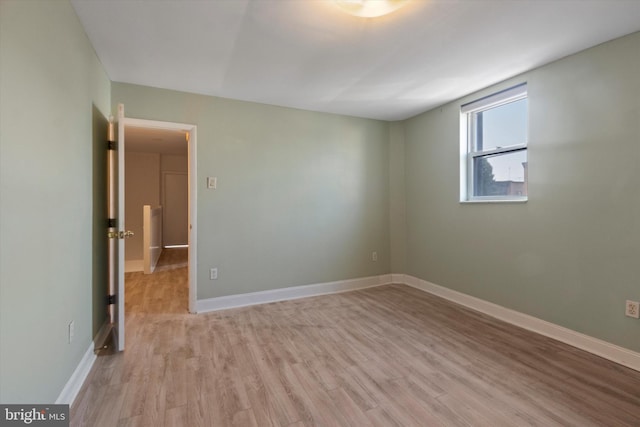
{"x": 79, "y": 375}
{"x": 601, "y": 348}
{"x": 295, "y": 292}
{"x": 398, "y": 278}
{"x": 76, "y": 380}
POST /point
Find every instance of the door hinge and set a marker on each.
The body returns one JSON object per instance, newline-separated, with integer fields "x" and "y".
{"x": 112, "y": 223}
{"x": 112, "y": 299}
{"x": 112, "y": 145}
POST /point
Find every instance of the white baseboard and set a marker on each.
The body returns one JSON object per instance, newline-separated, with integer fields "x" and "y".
{"x": 133, "y": 265}
{"x": 595, "y": 346}
{"x": 295, "y": 292}
{"x": 73, "y": 386}
{"x": 398, "y": 278}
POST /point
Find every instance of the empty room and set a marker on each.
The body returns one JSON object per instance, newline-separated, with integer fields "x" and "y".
{"x": 320, "y": 212}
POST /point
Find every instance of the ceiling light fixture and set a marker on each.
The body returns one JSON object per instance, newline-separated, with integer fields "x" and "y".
{"x": 370, "y": 8}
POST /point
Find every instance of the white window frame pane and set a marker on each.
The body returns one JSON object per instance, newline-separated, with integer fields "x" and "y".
{"x": 473, "y": 124}
{"x": 467, "y": 142}
{"x": 503, "y": 97}
{"x": 496, "y": 152}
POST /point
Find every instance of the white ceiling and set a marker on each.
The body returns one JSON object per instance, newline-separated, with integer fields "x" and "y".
{"x": 308, "y": 54}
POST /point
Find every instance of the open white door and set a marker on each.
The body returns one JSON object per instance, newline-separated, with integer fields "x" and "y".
{"x": 122, "y": 234}
{"x": 117, "y": 232}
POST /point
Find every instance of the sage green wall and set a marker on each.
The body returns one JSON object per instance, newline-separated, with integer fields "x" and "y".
{"x": 570, "y": 254}
{"x": 302, "y": 197}
{"x": 397, "y": 198}
{"x": 49, "y": 80}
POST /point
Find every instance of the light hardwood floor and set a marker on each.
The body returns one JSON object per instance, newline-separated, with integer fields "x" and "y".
{"x": 385, "y": 356}
{"x": 172, "y": 258}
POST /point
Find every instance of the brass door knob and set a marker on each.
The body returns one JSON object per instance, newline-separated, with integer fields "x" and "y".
{"x": 120, "y": 234}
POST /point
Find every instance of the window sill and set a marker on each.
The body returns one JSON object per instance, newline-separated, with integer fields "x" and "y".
{"x": 476, "y": 201}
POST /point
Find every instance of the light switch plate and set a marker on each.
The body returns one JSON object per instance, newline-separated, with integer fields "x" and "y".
{"x": 212, "y": 182}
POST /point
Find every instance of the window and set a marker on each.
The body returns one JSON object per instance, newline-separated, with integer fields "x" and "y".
{"x": 493, "y": 147}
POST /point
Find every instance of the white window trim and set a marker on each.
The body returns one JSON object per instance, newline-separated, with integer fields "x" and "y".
{"x": 512, "y": 94}
{"x": 467, "y": 153}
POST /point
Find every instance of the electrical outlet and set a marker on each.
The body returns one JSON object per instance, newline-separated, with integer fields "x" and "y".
{"x": 632, "y": 309}
{"x": 374, "y": 256}
{"x": 72, "y": 331}
{"x": 213, "y": 274}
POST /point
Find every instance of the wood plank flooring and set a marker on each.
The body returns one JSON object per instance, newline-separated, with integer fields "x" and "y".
{"x": 172, "y": 258}
{"x": 385, "y": 356}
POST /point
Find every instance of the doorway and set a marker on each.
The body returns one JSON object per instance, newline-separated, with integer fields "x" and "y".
{"x": 160, "y": 161}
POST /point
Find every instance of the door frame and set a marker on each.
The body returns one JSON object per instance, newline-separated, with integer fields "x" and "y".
{"x": 193, "y": 191}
